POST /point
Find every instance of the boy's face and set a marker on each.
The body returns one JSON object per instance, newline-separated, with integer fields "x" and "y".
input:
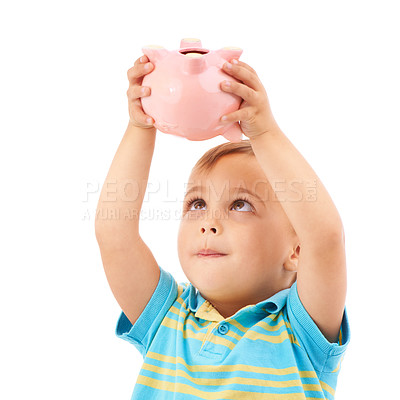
{"x": 260, "y": 252}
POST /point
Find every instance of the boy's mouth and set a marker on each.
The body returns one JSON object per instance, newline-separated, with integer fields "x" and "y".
{"x": 210, "y": 253}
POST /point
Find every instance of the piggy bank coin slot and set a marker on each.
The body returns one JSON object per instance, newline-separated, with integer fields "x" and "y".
{"x": 193, "y": 53}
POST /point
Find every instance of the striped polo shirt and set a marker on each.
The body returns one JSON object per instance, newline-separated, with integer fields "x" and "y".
{"x": 270, "y": 350}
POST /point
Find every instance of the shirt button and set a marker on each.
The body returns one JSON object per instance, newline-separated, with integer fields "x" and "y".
{"x": 223, "y": 329}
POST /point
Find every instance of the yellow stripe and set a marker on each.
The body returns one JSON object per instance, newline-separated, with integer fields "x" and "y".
{"x": 251, "y": 335}
{"x": 338, "y": 366}
{"x": 230, "y": 380}
{"x": 237, "y": 368}
{"x": 223, "y": 394}
{"x": 180, "y": 290}
{"x": 208, "y": 334}
{"x": 230, "y": 368}
{"x": 327, "y": 388}
{"x": 265, "y": 325}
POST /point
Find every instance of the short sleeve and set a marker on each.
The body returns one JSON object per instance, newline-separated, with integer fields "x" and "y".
{"x": 143, "y": 331}
{"x": 324, "y": 355}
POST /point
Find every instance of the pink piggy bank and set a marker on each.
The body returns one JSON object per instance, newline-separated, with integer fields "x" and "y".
{"x": 186, "y": 99}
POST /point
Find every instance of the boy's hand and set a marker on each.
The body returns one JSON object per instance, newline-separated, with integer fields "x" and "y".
{"x": 255, "y": 113}
{"x": 137, "y": 117}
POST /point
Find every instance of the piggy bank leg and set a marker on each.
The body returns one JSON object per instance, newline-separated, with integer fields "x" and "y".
{"x": 234, "y": 133}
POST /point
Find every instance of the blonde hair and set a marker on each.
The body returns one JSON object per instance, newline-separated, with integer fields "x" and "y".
{"x": 210, "y": 157}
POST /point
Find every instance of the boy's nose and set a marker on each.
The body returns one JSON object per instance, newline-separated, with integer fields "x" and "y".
{"x": 213, "y": 230}
{"x": 211, "y": 227}
{"x": 211, "y": 224}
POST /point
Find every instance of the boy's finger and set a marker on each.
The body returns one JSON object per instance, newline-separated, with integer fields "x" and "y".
{"x": 140, "y": 115}
{"x": 136, "y": 91}
{"x": 137, "y": 71}
{"x": 247, "y": 66}
{"x": 141, "y": 60}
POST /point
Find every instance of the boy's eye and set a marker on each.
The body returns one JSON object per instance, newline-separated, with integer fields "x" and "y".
{"x": 194, "y": 204}
{"x": 241, "y": 204}
{"x": 238, "y": 205}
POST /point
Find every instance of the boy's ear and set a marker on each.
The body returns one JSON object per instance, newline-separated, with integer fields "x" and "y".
{"x": 293, "y": 259}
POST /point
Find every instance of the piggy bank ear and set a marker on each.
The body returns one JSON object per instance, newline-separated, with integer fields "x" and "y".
{"x": 227, "y": 53}
{"x": 154, "y": 52}
{"x": 191, "y": 43}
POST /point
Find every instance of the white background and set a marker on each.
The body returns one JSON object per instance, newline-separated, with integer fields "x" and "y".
{"x": 331, "y": 71}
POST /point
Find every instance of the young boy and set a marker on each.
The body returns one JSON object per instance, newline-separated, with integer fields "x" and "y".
{"x": 262, "y": 244}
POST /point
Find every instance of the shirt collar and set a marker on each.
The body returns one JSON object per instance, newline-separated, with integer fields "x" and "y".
{"x": 203, "y": 309}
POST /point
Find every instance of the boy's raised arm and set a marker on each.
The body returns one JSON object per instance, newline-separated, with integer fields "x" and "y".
{"x": 121, "y": 197}
{"x": 321, "y": 272}
{"x": 131, "y": 269}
